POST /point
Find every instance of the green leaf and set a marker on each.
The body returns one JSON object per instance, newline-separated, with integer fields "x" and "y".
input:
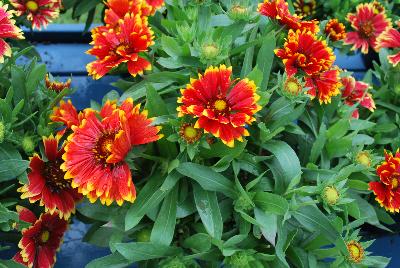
{"x": 12, "y": 168}
{"x": 149, "y": 197}
{"x": 340, "y": 147}
{"x": 199, "y": 242}
{"x": 268, "y": 224}
{"x": 34, "y": 78}
{"x": 208, "y": 178}
{"x": 164, "y": 226}
{"x": 10, "y": 264}
{"x": 318, "y": 144}
{"x": 339, "y": 129}
{"x": 208, "y": 209}
{"x": 265, "y": 57}
{"x": 247, "y": 65}
{"x": 272, "y": 203}
{"x": 171, "y": 47}
{"x": 115, "y": 260}
{"x": 84, "y": 7}
{"x": 140, "y": 251}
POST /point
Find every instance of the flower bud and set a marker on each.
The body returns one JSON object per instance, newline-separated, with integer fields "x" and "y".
{"x": 243, "y": 204}
{"x": 238, "y": 12}
{"x": 356, "y": 251}
{"x": 210, "y": 51}
{"x": 292, "y": 87}
{"x": 331, "y": 195}
{"x": 239, "y": 259}
{"x": 364, "y": 158}
{"x": 28, "y": 144}
{"x": 143, "y": 235}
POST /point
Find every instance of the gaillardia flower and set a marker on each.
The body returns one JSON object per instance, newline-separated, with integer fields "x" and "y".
{"x": 189, "y": 133}
{"x": 46, "y": 182}
{"x": 368, "y": 25}
{"x": 355, "y": 251}
{"x": 223, "y": 107}
{"x": 305, "y": 8}
{"x": 324, "y": 85}
{"x": 56, "y": 85}
{"x": 356, "y": 92}
{"x": 96, "y": 150}
{"x": 387, "y": 189}
{"x": 151, "y": 6}
{"x": 335, "y": 30}
{"x": 40, "y": 242}
{"x": 390, "y": 38}
{"x": 303, "y": 51}
{"x": 38, "y": 12}
{"x": 121, "y": 44}
{"x": 7, "y": 30}
{"x": 279, "y": 10}
{"x": 67, "y": 114}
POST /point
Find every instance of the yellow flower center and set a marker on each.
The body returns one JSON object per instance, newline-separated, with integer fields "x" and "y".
{"x": 292, "y": 86}
{"x": 32, "y": 6}
{"x": 306, "y": 9}
{"x": 356, "y": 252}
{"x": 190, "y": 132}
{"x": 367, "y": 29}
{"x": 220, "y": 105}
{"x": 44, "y": 236}
{"x": 363, "y": 158}
{"x": 210, "y": 51}
{"x": 395, "y": 183}
{"x": 331, "y": 195}
{"x": 104, "y": 146}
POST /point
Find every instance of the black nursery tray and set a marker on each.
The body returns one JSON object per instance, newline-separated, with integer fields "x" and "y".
{"x": 62, "y": 48}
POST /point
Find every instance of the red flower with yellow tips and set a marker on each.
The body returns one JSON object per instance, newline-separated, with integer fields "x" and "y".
{"x": 324, "y": 85}
{"x": 151, "y": 6}
{"x": 67, "y": 114}
{"x": 46, "y": 182}
{"x": 38, "y": 12}
{"x": 56, "y": 85}
{"x": 223, "y": 107}
{"x": 96, "y": 150}
{"x": 368, "y": 25}
{"x": 40, "y": 242}
{"x": 356, "y": 92}
{"x": 335, "y": 30}
{"x": 7, "y": 30}
{"x": 390, "y": 38}
{"x": 117, "y": 9}
{"x": 304, "y": 51}
{"x": 121, "y": 44}
{"x": 387, "y": 190}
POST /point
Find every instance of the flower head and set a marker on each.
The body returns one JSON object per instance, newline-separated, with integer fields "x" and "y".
{"x": 223, "y": 107}
{"x": 122, "y": 44}
{"x": 368, "y": 25}
{"x": 356, "y": 92}
{"x": 364, "y": 158}
{"x": 38, "y": 12}
{"x": 387, "y": 189}
{"x": 324, "y": 85}
{"x": 40, "y": 242}
{"x": 7, "y": 30}
{"x": 46, "y": 182}
{"x": 335, "y": 30}
{"x": 331, "y": 195}
{"x": 189, "y": 133}
{"x": 55, "y": 85}
{"x": 96, "y": 150}
{"x": 390, "y": 38}
{"x": 303, "y": 51}
{"x": 305, "y": 8}
{"x": 292, "y": 87}
{"x": 355, "y": 250}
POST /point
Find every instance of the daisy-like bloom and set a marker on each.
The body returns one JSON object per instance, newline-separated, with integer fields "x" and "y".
{"x": 304, "y": 51}
{"x": 305, "y": 7}
{"x": 223, "y": 107}
{"x": 355, "y": 250}
{"x": 368, "y": 25}
{"x": 324, "y": 85}
{"x": 122, "y": 44}
{"x": 38, "y": 12}
{"x": 356, "y": 92}
{"x": 7, "y": 30}
{"x": 96, "y": 150}
{"x": 390, "y": 38}
{"x": 279, "y": 10}
{"x": 46, "y": 182}
{"x": 189, "y": 133}
{"x": 56, "y": 85}
{"x": 67, "y": 114}
{"x": 40, "y": 242}
{"x": 335, "y": 30}
{"x": 387, "y": 189}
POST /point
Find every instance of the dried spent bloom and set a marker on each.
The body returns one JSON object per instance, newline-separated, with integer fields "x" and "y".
{"x": 324, "y": 85}
{"x": 390, "y": 38}
{"x": 305, "y": 8}
{"x": 303, "y": 51}
{"x": 38, "y": 12}
{"x": 355, "y": 92}
{"x": 223, "y": 107}
{"x": 355, "y": 250}
{"x": 367, "y": 25}
{"x": 122, "y": 44}
{"x": 46, "y": 182}
{"x": 335, "y": 30}
{"x": 96, "y": 150}
{"x": 189, "y": 133}
{"x": 8, "y": 29}
{"x": 40, "y": 241}
{"x": 56, "y": 85}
